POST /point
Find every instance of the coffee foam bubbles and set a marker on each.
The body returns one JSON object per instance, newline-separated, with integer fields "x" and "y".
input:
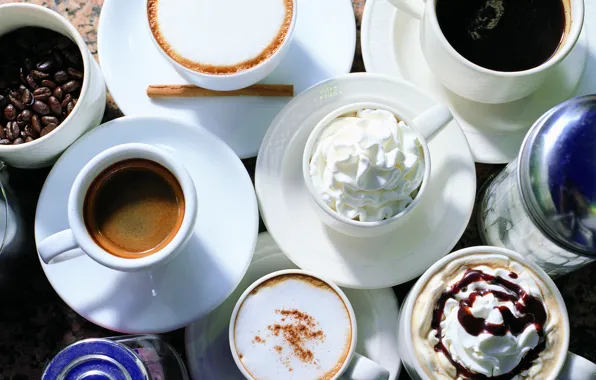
{"x": 266, "y": 319}
{"x": 484, "y": 354}
{"x": 220, "y": 36}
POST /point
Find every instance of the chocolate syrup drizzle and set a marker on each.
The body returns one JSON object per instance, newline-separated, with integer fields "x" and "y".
{"x": 530, "y": 308}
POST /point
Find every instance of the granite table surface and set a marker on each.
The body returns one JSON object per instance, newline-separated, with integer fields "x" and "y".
{"x": 35, "y": 323}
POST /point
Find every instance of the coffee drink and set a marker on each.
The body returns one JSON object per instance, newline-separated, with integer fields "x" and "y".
{"x": 134, "y": 208}
{"x": 293, "y": 326}
{"x": 505, "y": 35}
{"x": 487, "y": 315}
{"x": 220, "y": 36}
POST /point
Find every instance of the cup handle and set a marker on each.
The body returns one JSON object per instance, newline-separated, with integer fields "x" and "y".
{"x": 432, "y": 121}
{"x": 362, "y": 368}
{"x": 412, "y": 7}
{"x": 56, "y": 244}
{"x": 577, "y": 368}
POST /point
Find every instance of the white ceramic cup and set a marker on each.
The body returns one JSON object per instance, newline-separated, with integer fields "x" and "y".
{"x": 355, "y": 367}
{"x": 426, "y": 126}
{"x": 472, "y": 81}
{"x": 235, "y": 81}
{"x": 574, "y": 367}
{"x": 78, "y": 236}
{"x": 90, "y": 107}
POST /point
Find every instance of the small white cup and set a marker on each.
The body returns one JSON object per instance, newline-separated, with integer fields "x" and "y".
{"x": 90, "y": 107}
{"x": 426, "y": 126}
{"x": 355, "y": 367}
{"x": 573, "y": 367}
{"x": 472, "y": 81}
{"x": 235, "y": 81}
{"x": 78, "y": 236}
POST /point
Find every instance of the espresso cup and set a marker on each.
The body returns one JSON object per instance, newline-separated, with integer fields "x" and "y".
{"x": 425, "y": 127}
{"x": 90, "y": 189}
{"x": 477, "y": 83}
{"x": 219, "y": 57}
{"x": 292, "y": 323}
{"x": 487, "y": 311}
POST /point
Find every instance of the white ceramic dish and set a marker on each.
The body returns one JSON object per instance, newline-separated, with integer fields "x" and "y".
{"x": 207, "y": 345}
{"x": 131, "y": 62}
{"x": 91, "y": 105}
{"x": 195, "y": 282}
{"x": 434, "y": 226}
{"x": 391, "y": 45}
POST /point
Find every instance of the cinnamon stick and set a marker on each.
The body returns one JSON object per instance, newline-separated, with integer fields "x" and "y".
{"x": 192, "y": 91}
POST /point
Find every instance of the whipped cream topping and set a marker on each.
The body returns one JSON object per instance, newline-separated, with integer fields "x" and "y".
{"x": 491, "y": 322}
{"x": 367, "y": 165}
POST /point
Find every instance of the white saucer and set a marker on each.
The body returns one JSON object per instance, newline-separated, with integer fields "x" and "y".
{"x": 391, "y": 45}
{"x": 195, "y": 282}
{"x": 208, "y": 351}
{"x": 130, "y": 62}
{"x": 437, "y": 222}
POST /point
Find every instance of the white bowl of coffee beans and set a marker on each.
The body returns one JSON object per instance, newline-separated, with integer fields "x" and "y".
{"x": 51, "y": 89}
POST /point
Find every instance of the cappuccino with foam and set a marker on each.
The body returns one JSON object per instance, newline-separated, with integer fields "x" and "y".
{"x": 220, "y": 36}
{"x": 293, "y": 326}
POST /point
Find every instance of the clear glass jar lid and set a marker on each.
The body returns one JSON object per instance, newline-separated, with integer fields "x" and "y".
{"x": 557, "y": 174}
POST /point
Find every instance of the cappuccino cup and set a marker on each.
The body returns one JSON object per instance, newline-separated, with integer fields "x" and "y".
{"x": 453, "y": 35}
{"x": 222, "y": 45}
{"x": 487, "y": 312}
{"x": 131, "y": 207}
{"x": 292, "y": 324}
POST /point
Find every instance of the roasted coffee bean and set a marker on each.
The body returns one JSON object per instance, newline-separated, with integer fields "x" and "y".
{"x": 58, "y": 93}
{"x": 26, "y": 116}
{"x": 2, "y": 133}
{"x": 47, "y": 130}
{"x": 57, "y": 58}
{"x": 28, "y": 139}
{"x": 69, "y": 107}
{"x": 74, "y": 73}
{"x": 18, "y": 140}
{"x": 61, "y": 76}
{"x": 12, "y": 130}
{"x": 39, "y": 74}
{"x": 45, "y": 120}
{"x": 71, "y": 57}
{"x": 63, "y": 42}
{"x": 22, "y": 75}
{"x": 71, "y": 86}
{"x": 42, "y": 94}
{"x": 36, "y": 124}
{"x": 31, "y": 82}
{"x": 67, "y": 99}
{"x": 10, "y": 113}
{"x": 16, "y": 102}
{"x": 29, "y": 132}
{"x": 27, "y": 97}
{"x": 48, "y": 83}
{"x": 3, "y": 101}
{"x": 4, "y": 142}
{"x": 55, "y": 106}
{"x": 45, "y": 66}
{"x": 40, "y": 108}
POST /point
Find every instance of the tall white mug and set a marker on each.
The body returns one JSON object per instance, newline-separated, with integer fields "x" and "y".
{"x": 472, "y": 81}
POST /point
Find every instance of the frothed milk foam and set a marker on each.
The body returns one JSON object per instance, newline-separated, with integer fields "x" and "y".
{"x": 293, "y": 327}
{"x": 220, "y": 36}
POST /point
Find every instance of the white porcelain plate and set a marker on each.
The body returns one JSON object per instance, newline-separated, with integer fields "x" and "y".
{"x": 208, "y": 351}
{"x": 435, "y": 226}
{"x": 391, "y": 45}
{"x": 130, "y": 62}
{"x": 196, "y": 281}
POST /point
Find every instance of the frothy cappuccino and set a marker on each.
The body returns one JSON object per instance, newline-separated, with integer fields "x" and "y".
{"x": 220, "y": 36}
{"x": 293, "y": 326}
{"x": 488, "y": 315}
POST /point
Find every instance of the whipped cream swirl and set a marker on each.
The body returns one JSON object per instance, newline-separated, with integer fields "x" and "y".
{"x": 490, "y": 323}
{"x": 367, "y": 166}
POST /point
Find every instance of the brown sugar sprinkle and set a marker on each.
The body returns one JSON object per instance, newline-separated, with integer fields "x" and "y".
{"x": 300, "y": 329}
{"x": 258, "y": 339}
{"x": 279, "y": 349}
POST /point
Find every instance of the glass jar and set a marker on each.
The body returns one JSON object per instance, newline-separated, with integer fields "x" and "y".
{"x": 543, "y": 204}
{"x": 130, "y": 357}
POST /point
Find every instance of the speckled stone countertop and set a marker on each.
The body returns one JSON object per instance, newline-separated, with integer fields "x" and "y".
{"x": 35, "y": 323}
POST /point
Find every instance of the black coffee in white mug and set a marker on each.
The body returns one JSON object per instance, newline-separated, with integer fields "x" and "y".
{"x": 505, "y": 35}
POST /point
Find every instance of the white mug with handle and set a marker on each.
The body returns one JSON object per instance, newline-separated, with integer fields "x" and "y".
{"x": 475, "y": 82}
